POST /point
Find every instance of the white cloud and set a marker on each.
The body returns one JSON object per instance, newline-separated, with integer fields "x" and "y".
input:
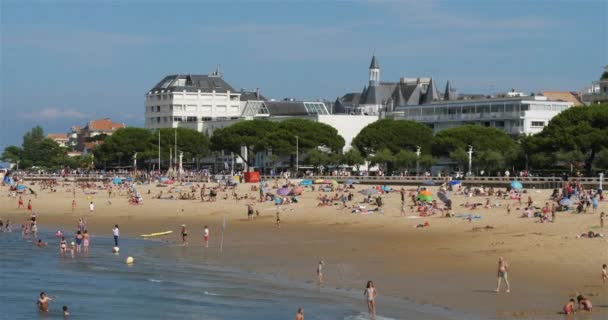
{"x": 52, "y": 114}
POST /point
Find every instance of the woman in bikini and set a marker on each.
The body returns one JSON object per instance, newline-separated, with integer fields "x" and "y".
{"x": 371, "y": 293}
{"x": 63, "y": 246}
{"x": 184, "y": 232}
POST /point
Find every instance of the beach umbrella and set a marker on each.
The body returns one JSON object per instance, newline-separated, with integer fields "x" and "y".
{"x": 283, "y": 191}
{"x": 21, "y": 187}
{"x": 327, "y": 181}
{"x": 566, "y": 202}
{"x": 116, "y": 180}
{"x": 516, "y": 185}
{"x": 385, "y": 189}
{"x": 334, "y": 182}
{"x": 443, "y": 196}
{"x": 429, "y": 183}
{"x": 426, "y": 193}
{"x": 169, "y": 181}
{"x": 306, "y": 182}
{"x": 454, "y": 182}
{"x": 369, "y": 192}
{"x": 424, "y": 197}
{"x": 296, "y": 191}
{"x": 320, "y": 181}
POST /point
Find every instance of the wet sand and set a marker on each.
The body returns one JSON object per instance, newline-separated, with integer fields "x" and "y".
{"x": 452, "y": 263}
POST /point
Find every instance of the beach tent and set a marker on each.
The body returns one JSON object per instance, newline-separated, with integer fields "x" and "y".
{"x": 320, "y": 181}
{"x": 283, "y": 191}
{"x": 425, "y": 196}
{"x": 385, "y": 189}
{"x": 21, "y": 187}
{"x": 516, "y": 185}
{"x": 116, "y": 180}
{"x": 454, "y": 182}
{"x": 306, "y": 183}
{"x": 9, "y": 181}
{"x": 369, "y": 192}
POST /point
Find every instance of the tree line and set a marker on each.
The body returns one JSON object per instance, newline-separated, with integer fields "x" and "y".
{"x": 576, "y": 139}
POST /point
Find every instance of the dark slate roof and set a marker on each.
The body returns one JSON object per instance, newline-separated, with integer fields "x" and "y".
{"x": 248, "y": 95}
{"x": 374, "y": 64}
{"x": 338, "y": 107}
{"x": 378, "y": 94}
{"x": 449, "y": 94}
{"x": 193, "y": 83}
{"x": 286, "y": 108}
{"x": 431, "y": 93}
{"x": 351, "y": 98}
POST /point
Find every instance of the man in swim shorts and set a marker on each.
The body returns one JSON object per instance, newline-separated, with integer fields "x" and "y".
{"x": 43, "y": 302}
{"x": 503, "y": 266}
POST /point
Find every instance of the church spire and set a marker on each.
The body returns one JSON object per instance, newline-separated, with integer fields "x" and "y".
{"x": 374, "y": 72}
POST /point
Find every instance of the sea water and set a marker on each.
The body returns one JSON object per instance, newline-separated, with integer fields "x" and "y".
{"x": 102, "y": 286}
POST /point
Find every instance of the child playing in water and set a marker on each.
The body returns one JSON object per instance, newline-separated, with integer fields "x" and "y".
{"x": 569, "y": 307}
{"x": 584, "y": 303}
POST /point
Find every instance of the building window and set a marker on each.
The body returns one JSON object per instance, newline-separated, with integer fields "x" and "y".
{"x": 191, "y": 119}
{"x": 157, "y": 108}
{"x": 538, "y": 123}
{"x": 157, "y": 119}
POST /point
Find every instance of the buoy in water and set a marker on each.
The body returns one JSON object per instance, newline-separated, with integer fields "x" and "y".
{"x": 130, "y": 260}
{"x": 115, "y": 249}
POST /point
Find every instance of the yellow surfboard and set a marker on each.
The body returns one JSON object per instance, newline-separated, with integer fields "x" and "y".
{"x": 157, "y": 234}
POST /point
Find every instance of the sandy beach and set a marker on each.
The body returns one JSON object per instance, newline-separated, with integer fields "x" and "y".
{"x": 451, "y": 263}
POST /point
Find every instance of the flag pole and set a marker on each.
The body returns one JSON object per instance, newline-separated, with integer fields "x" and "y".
{"x": 222, "y": 236}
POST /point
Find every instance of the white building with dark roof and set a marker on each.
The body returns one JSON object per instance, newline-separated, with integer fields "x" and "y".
{"x": 180, "y": 99}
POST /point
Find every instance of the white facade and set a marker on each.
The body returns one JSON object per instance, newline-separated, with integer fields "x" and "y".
{"x": 170, "y": 109}
{"x": 348, "y": 126}
{"x": 518, "y": 115}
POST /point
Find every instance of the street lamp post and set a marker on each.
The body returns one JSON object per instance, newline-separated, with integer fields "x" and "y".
{"x": 297, "y": 155}
{"x": 470, "y": 152}
{"x": 135, "y": 164}
{"x": 417, "y": 161}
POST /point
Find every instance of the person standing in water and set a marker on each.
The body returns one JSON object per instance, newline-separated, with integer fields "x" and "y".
{"x": 503, "y": 266}
{"x": 604, "y": 273}
{"x": 300, "y": 314}
{"x": 73, "y": 205}
{"x": 116, "y": 234}
{"x": 43, "y": 302}
{"x": 85, "y": 242}
{"x": 91, "y": 207}
{"x": 184, "y": 232}
{"x": 63, "y": 247}
{"x": 370, "y": 295}
{"x": 206, "y": 236}
{"x": 320, "y": 272}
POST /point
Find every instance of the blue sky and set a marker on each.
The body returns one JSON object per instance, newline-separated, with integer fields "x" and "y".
{"x": 64, "y": 62}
